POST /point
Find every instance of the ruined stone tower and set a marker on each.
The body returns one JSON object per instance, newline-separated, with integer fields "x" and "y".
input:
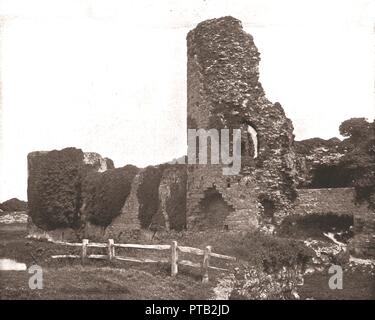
{"x": 223, "y": 91}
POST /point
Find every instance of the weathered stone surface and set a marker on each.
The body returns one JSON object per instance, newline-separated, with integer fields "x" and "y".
{"x": 317, "y": 157}
{"x": 157, "y": 201}
{"x": 96, "y": 161}
{"x": 339, "y": 201}
{"x": 363, "y": 243}
{"x": 224, "y": 92}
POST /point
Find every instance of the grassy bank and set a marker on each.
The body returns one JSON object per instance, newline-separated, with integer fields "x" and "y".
{"x": 68, "y": 279}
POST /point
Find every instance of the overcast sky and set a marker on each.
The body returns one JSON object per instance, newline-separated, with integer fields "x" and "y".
{"x": 110, "y": 76}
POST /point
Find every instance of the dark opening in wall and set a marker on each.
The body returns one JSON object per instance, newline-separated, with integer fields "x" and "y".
{"x": 268, "y": 208}
{"x": 214, "y": 210}
{"x": 228, "y": 183}
{"x": 249, "y": 141}
{"x": 333, "y": 176}
{"x": 315, "y": 225}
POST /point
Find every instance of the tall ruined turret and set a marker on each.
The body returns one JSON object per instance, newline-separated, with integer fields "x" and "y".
{"x": 223, "y": 91}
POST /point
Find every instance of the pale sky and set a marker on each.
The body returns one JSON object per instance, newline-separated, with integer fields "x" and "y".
{"x": 110, "y": 76}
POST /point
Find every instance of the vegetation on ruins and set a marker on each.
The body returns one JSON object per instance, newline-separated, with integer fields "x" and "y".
{"x": 104, "y": 194}
{"x": 360, "y": 157}
{"x": 148, "y": 195}
{"x": 176, "y": 203}
{"x": 53, "y": 187}
{"x": 13, "y": 204}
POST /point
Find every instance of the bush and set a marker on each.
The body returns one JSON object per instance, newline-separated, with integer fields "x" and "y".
{"x": 176, "y": 203}
{"x": 13, "y": 204}
{"x": 265, "y": 252}
{"x": 104, "y": 194}
{"x": 148, "y": 194}
{"x": 253, "y": 284}
{"x": 54, "y": 186}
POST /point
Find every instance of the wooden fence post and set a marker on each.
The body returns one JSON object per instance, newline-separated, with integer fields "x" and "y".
{"x": 206, "y": 263}
{"x": 174, "y": 259}
{"x": 84, "y": 250}
{"x": 111, "y": 249}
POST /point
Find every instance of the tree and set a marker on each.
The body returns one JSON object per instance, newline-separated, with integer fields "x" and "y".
{"x": 355, "y": 128}
{"x": 361, "y": 156}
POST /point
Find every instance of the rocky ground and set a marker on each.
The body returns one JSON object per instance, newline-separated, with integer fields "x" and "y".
{"x": 13, "y": 217}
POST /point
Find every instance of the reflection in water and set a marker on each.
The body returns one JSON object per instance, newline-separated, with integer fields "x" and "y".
{"x": 9, "y": 264}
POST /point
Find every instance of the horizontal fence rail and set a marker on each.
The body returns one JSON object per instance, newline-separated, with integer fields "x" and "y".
{"x": 173, "y": 259}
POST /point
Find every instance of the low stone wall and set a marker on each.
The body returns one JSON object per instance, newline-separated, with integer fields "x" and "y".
{"x": 340, "y": 201}
{"x": 75, "y": 195}
{"x": 363, "y": 243}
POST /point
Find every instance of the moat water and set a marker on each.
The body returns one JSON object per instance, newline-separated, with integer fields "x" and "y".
{"x": 11, "y": 265}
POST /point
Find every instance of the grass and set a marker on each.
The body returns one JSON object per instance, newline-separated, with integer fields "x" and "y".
{"x": 91, "y": 282}
{"x": 68, "y": 279}
{"x": 357, "y": 285}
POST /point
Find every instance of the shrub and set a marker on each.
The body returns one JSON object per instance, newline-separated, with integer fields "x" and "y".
{"x": 13, "y": 204}
{"x": 176, "y": 203}
{"x": 104, "y": 194}
{"x": 53, "y": 187}
{"x": 267, "y": 253}
{"x": 148, "y": 194}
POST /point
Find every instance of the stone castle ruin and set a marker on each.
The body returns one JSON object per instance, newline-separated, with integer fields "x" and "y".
{"x": 73, "y": 194}
{"x": 224, "y": 92}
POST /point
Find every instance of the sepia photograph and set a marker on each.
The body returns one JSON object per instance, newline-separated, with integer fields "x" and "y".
{"x": 203, "y": 150}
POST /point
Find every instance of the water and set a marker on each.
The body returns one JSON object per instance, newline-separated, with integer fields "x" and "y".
{"x": 11, "y": 265}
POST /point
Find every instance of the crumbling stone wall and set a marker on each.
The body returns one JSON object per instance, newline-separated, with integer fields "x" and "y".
{"x": 338, "y": 201}
{"x": 363, "y": 243}
{"x": 224, "y": 92}
{"x": 162, "y": 191}
{"x": 75, "y": 195}
{"x": 318, "y": 164}
{"x": 239, "y": 193}
{"x": 127, "y": 224}
{"x": 341, "y": 202}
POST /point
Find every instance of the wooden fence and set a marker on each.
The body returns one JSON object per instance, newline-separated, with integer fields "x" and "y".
{"x": 173, "y": 260}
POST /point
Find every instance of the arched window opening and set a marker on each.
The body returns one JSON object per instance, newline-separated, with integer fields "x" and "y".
{"x": 249, "y": 142}
{"x": 254, "y": 137}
